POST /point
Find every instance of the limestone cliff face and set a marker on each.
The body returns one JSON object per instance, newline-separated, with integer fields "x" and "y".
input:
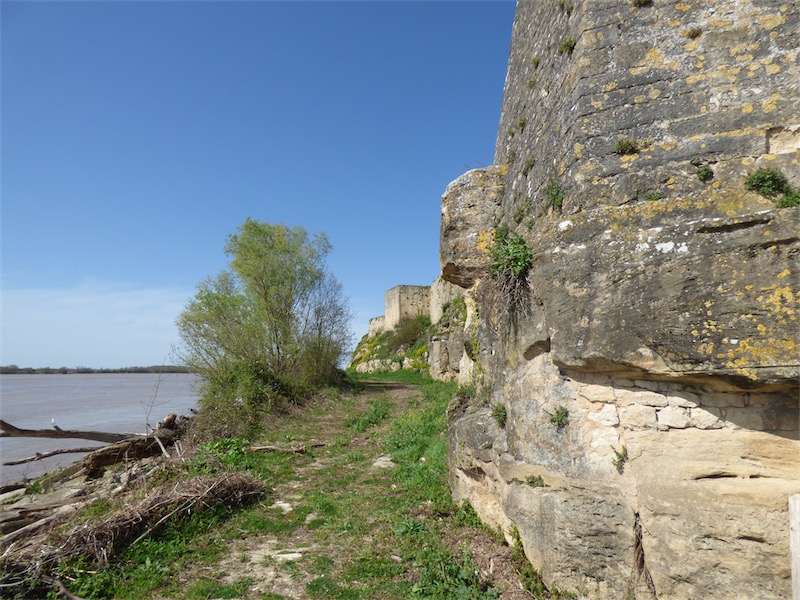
{"x": 650, "y": 374}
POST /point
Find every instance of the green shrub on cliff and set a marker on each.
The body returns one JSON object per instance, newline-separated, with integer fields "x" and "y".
{"x": 789, "y": 200}
{"x": 767, "y": 181}
{"x": 511, "y": 255}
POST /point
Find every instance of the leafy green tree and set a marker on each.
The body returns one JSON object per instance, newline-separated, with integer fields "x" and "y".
{"x": 277, "y": 318}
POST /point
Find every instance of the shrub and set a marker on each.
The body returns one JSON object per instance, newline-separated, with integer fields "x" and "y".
{"x": 528, "y": 166}
{"x": 536, "y": 481}
{"x": 560, "y": 418}
{"x": 705, "y": 173}
{"x": 789, "y": 200}
{"x": 408, "y": 333}
{"x": 554, "y": 194}
{"x": 535, "y": 61}
{"x": 500, "y": 414}
{"x": 626, "y": 146}
{"x": 511, "y": 255}
{"x": 620, "y": 458}
{"x": 521, "y": 122}
{"x": 694, "y": 33}
{"x": 567, "y": 45}
{"x": 651, "y": 196}
{"x": 532, "y": 82}
{"x": 767, "y": 181}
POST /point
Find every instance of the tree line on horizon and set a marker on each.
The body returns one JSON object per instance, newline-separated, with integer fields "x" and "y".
{"x": 16, "y": 370}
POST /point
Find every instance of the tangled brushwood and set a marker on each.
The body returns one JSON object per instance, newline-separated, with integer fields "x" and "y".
{"x": 511, "y": 260}
{"x": 32, "y": 562}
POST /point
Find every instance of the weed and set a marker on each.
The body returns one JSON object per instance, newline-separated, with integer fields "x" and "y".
{"x": 705, "y": 173}
{"x": 536, "y": 481}
{"x": 521, "y": 123}
{"x": 620, "y": 458}
{"x": 444, "y": 576}
{"x": 626, "y": 146}
{"x": 767, "y": 181}
{"x": 567, "y": 45}
{"x": 640, "y": 3}
{"x": 554, "y": 194}
{"x": 560, "y": 418}
{"x": 535, "y": 62}
{"x": 532, "y": 83}
{"x": 519, "y": 214}
{"x": 500, "y": 414}
{"x": 651, "y": 196}
{"x": 694, "y": 33}
{"x": 528, "y": 166}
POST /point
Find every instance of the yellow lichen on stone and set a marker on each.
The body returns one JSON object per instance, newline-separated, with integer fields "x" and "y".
{"x": 773, "y": 69}
{"x": 784, "y": 273}
{"x": 747, "y": 108}
{"x": 485, "y": 241}
{"x": 772, "y": 21}
{"x": 682, "y": 6}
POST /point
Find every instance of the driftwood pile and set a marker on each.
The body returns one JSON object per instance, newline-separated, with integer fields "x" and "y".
{"x": 122, "y": 446}
{"x": 34, "y": 558}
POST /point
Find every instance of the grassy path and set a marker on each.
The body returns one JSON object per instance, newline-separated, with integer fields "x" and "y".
{"x": 364, "y": 513}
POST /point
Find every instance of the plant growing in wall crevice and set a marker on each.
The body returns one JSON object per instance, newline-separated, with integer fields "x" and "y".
{"x": 507, "y": 284}
{"x": 772, "y": 183}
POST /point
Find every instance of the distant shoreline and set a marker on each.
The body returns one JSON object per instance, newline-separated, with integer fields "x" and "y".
{"x": 15, "y": 370}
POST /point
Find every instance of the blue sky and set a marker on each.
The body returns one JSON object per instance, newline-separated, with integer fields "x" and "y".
{"x": 136, "y": 136}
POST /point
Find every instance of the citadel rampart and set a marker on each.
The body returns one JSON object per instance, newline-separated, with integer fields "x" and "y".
{"x": 661, "y": 312}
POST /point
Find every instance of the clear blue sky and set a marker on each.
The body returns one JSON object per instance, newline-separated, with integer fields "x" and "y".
{"x": 136, "y": 136}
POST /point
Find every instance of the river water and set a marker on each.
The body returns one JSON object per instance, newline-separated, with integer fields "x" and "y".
{"x": 118, "y": 403}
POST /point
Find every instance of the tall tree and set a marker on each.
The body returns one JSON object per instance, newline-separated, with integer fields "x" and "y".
{"x": 277, "y": 314}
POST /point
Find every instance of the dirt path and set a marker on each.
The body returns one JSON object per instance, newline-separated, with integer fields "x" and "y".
{"x": 336, "y": 524}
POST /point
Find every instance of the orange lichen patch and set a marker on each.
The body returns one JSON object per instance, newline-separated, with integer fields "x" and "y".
{"x": 784, "y": 273}
{"x": 503, "y": 169}
{"x": 682, "y": 6}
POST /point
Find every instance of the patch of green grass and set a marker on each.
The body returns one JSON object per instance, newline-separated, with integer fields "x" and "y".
{"x": 653, "y": 196}
{"x": 210, "y": 588}
{"x": 377, "y": 411}
{"x": 532, "y": 82}
{"x": 325, "y": 587}
{"x": 535, "y": 61}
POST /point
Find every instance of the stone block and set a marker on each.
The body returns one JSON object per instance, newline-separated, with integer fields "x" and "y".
{"x": 673, "y": 417}
{"x": 637, "y": 417}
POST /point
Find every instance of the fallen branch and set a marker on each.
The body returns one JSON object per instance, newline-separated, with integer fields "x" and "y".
{"x": 42, "y": 455}
{"x": 294, "y": 450}
{"x": 9, "y": 430}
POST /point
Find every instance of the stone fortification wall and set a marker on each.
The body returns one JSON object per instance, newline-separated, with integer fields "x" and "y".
{"x": 376, "y": 326}
{"x": 649, "y": 372}
{"x": 405, "y": 302}
{"x": 706, "y": 82}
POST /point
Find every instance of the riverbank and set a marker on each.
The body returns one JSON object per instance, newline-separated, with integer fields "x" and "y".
{"x": 355, "y": 505}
